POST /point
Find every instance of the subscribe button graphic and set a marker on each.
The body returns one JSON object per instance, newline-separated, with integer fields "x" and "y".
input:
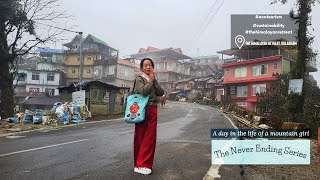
{"x": 261, "y": 152}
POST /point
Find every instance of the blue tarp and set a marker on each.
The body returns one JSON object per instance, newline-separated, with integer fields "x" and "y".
{"x": 49, "y": 50}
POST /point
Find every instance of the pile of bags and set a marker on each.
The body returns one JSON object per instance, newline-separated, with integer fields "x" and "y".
{"x": 68, "y": 111}
{"x": 63, "y": 112}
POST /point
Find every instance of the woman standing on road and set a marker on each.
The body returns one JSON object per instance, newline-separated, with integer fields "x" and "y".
{"x": 145, "y": 134}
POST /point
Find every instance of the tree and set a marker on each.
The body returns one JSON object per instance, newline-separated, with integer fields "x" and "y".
{"x": 274, "y": 103}
{"x": 24, "y": 24}
{"x": 292, "y": 107}
{"x": 305, "y": 53}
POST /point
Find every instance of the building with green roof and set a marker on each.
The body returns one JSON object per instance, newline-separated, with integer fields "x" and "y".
{"x": 96, "y": 52}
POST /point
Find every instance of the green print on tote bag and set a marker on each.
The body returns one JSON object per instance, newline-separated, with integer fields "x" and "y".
{"x": 135, "y": 107}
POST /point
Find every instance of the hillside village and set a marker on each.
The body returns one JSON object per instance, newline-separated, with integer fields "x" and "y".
{"x": 236, "y": 75}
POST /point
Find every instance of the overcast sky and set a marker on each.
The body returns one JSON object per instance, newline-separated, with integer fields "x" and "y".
{"x": 128, "y": 25}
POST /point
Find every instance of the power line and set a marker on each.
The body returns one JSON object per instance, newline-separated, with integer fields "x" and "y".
{"x": 212, "y": 6}
{"x": 78, "y": 32}
{"x": 209, "y": 12}
{"x": 210, "y": 20}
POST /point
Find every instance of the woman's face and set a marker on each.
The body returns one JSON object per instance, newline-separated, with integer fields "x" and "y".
{"x": 147, "y": 67}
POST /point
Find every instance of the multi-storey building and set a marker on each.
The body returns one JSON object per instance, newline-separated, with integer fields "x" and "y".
{"x": 207, "y": 60}
{"x": 125, "y": 74}
{"x": 43, "y": 72}
{"x": 51, "y": 59}
{"x": 168, "y": 68}
{"x": 251, "y": 70}
{"x": 95, "y": 53}
{"x": 201, "y": 70}
{"x": 39, "y": 81}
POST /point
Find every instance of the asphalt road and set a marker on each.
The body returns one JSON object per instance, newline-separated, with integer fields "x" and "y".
{"x": 104, "y": 150}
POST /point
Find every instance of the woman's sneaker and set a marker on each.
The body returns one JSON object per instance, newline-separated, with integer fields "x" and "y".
{"x": 142, "y": 170}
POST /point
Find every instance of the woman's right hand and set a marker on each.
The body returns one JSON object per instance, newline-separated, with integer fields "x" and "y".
{"x": 151, "y": 75}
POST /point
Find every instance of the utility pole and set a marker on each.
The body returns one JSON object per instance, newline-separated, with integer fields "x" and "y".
{"x": 81, "y": 59}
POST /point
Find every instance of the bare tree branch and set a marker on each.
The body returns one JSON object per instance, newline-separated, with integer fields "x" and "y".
{"x": 37, "y": 11}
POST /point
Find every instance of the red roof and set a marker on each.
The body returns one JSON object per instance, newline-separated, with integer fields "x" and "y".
{"x": 251, "y": 61}
{"x": 251, "y": 80}
{"x": 178, "y": 50}
{"x": 142, "y": 50}
{"x": 153, "y": 49}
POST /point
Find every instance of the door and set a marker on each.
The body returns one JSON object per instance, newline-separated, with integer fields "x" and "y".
{"x": 112, "y": 101}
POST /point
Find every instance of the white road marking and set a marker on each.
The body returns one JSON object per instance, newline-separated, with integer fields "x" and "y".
{"x": 44, "y": 147}
{"x": 59, "y": 127}
{"x": 14, "y": 137}
{"x": 230, "y": 121}
{"x": 213, "y": 172}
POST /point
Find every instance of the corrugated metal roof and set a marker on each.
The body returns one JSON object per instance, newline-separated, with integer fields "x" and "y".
{"x": 46, "y": 101}
{"x": 84, "y": 84}
{"x": 30, "y": 94}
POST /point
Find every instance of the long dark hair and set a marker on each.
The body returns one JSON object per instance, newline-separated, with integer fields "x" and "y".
{"x": 141, "y": 63}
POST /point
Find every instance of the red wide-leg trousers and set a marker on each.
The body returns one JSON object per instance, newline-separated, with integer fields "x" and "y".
{"x": 145, "y": 136}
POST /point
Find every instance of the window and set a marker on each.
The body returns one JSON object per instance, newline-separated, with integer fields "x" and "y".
{"x": 89, "y": 57}
{"x": 50, "y": 76}
{"x": 111, "y": 70}
{"x": 241, "y": 72}
{"x": 123, "y": 85}
{"x": 50, "y": 91}
{"x": 242, "y": 91}
{"x": 35, "y": 76}
{"x": 88, "y": 71}
{"x": 78, "y": 58}
{"x": 258, "y": 88}
{"x": 206, "y": 61}
{"x": 259, "y": 70}
{"x": 34, "y": 90}
{"x": 232, "y": 90}
{"x": 275, "y": 66}
{"x": 73, "y": 71}
{"x": 157, "y": 67}
{"x": 126, "y": 72}
{"x": 242, "y": 104}
{"x": 227, "y": 71}
{"x": 21, "y": 77}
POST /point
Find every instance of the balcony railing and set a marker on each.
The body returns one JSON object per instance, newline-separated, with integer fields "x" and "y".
{"x": 84, "y": 50}
{"x": 286, "y": 54}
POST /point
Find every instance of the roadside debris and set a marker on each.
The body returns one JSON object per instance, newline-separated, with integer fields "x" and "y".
{"x": 14, "y": 129}
{"x": 63, "y": 113}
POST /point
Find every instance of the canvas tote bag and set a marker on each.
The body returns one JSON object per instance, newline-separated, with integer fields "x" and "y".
{"x": 135, "y": 107}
